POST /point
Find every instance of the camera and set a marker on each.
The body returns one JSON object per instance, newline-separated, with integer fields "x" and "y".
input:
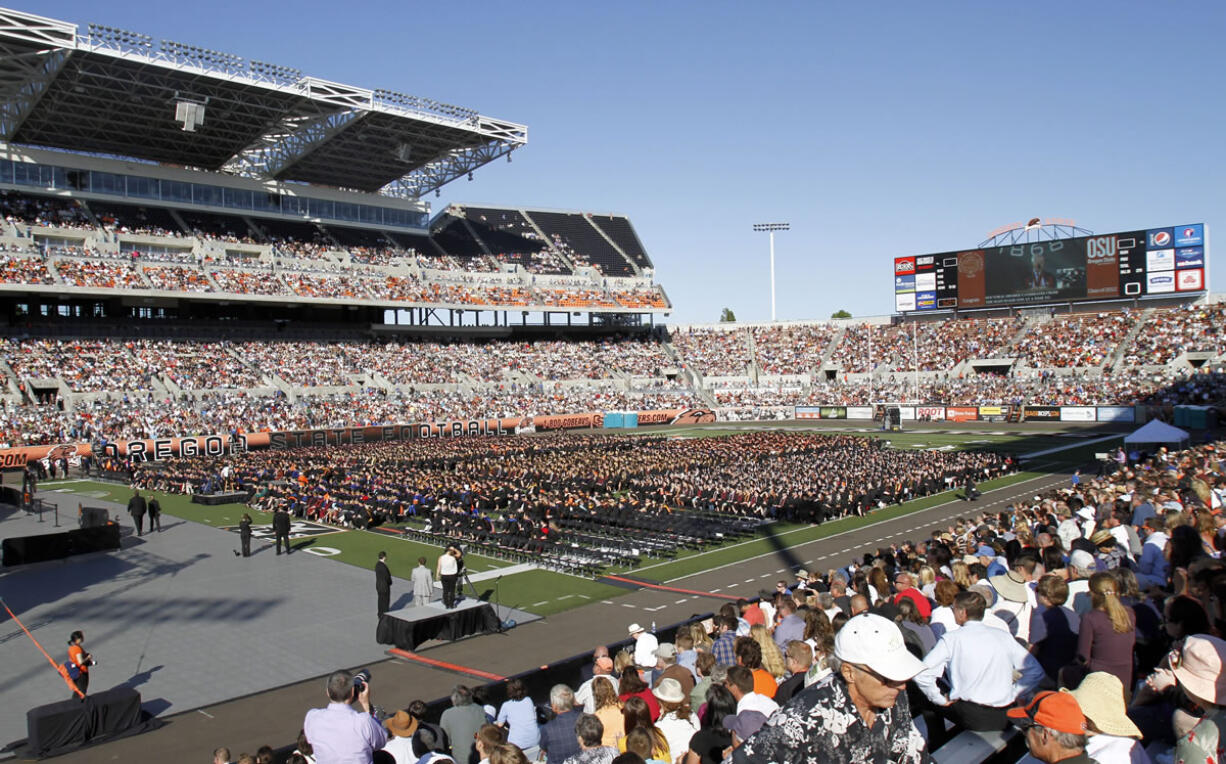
{"x": 361, "y": 678}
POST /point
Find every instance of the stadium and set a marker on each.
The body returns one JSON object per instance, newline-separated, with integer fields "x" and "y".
{"x": 225, "y": 289}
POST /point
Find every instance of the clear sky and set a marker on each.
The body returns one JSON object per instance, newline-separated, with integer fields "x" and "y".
{"x": 875, "y": 129}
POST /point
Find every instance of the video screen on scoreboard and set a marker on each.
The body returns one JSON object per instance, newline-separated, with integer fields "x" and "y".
{"x": 1139, "y": 263}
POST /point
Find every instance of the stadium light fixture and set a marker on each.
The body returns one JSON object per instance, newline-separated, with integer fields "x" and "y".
{"x": 771, "y": 228}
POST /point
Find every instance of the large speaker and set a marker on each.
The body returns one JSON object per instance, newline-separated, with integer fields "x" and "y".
{"x": 93, "y": 517}
{"x": 894, "y": 416}
{"x": 69, "y": 724}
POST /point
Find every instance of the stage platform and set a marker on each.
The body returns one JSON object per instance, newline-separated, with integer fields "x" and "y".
{"x": 411, "y": 627}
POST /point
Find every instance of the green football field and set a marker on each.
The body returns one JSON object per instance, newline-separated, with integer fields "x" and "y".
{"x": 545, "y": 592}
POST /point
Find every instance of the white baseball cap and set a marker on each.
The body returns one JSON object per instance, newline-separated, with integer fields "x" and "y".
{"x": 874, "y": 641}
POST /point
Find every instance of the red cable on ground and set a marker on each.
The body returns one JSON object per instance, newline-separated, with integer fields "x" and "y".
{"x": 58, "y": 668}
{"x": 663, "y": 588}
{"x": 444, "y": 665}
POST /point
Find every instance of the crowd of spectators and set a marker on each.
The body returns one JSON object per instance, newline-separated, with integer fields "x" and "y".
{"x": 174, "y": 278}
{"x": 101, "y": 274}
{"x": 1168, "y": 333}
{"x": 25, "y": 210}
{"x": 788, "y": 349}
{"x": 1075, "y": 341}
{"x": 25, "y": 270}
{"x": 1088, "y": 620}
{"x": 712, "y": 352}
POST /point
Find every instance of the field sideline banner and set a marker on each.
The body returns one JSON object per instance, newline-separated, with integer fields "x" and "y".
{"x": 218, "y": 445}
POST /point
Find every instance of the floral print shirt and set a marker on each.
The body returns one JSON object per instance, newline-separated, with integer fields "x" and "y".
{"x": 821, "y": 725}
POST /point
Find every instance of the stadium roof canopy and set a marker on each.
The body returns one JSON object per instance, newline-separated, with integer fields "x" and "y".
{"x": 119, "y": 93}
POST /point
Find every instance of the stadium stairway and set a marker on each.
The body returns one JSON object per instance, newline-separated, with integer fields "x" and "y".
{"x": 629, "y": 260}
{"x": 1120, "y": 354}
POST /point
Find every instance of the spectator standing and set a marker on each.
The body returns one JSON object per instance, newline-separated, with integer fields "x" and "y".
{"x": 645, "y": 645}
{"x": 1053, "y": 628}
{"x": 982, "y": 662}
{"x": 461, "y": 722}
{"x": 724, "y": 646}
{"x": 341, "y": 733}
{"x": 1108, "y": 632}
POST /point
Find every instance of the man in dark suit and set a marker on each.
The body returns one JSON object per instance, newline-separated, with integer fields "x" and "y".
{"x": 1040, "y": 277}
{"x": 136, "y": 508}
{"x": 280, "y": 526}
{"x": 383, "y": 583}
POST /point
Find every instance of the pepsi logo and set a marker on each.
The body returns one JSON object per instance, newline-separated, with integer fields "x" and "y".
{"x": 1162, "y": 238}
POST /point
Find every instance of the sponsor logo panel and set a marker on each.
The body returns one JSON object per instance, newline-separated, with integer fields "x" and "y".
{"x": 1160, "y": 238}
{"x": 930, "y": 413}
{"x": 1041, "y": 412}
{"x": 1077, "y": 413}
{"x": 1116, "y": 414}
{"x": 904, "y": 301}
{"x": 1190, "y": 281}
{"x": 1160, "y": 283}
{"x": 962, "y": 413}
{"x": 1189, "y": 257}
{"x": 1190, "y": 235}
{"x": 904, "y": 265}
{"x": 1160, "y": 260}
{"x": 925, "y": 282}
{"x": 859, "y": 412}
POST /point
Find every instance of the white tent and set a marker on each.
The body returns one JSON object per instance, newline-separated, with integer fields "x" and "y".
{"x": 1157, "y": 433}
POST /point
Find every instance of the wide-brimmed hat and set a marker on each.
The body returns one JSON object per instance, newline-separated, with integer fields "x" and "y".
{"x": 401, "y": 724}
{"x": 633, "y": 629}
{"x": 1101, "y": 697}
{"x": 1011, "y": 586}
{"x": 1057, "y": 711}
{"x": 666, "y": 650}
{"x": 1201, "y": 668}
{"x": 871, "y": 640}
{"x": 802, "y": 574}
{"x": 669, "y": 691}
{"x": 1101, "y": 537}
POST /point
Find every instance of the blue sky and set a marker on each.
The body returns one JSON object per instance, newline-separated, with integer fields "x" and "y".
{"x": 875, "y": 129}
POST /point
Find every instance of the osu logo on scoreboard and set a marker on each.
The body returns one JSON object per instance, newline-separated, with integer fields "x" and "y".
{"x": 1101, "y": 248}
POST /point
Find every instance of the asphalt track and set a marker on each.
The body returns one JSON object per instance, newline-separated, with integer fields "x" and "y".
{"x": 274, "y": 717}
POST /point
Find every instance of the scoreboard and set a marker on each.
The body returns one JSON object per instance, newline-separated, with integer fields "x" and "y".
{"x": 1154, "y": 261}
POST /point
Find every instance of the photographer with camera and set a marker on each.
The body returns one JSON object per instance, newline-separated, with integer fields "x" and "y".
{"x": 79, "y": 660}
{"x": 347, "y": 731}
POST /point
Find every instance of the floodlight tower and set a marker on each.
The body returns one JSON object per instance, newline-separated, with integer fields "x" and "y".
{"x": 771, "y": 228}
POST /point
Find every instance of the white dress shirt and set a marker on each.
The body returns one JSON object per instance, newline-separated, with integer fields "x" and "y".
{"x": 981, "y": 662}
{"x": 755, "y": 701}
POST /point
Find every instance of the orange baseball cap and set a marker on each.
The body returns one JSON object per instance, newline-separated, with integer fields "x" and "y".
{"x": 1057, "y": 711}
